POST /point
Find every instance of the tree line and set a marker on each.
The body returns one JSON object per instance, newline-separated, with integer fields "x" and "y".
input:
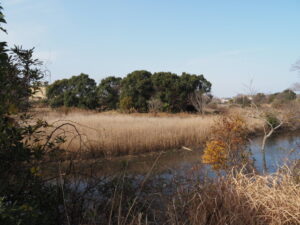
{"x": 276, "y": 99}
{"x": 140, "y": 91}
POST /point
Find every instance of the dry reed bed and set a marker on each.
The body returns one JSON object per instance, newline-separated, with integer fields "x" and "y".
{"x": 243, "y": 199}
{"x": 119, "y": 134}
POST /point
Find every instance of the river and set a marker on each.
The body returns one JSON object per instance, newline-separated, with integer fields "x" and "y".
{"x": 280, "y": 149}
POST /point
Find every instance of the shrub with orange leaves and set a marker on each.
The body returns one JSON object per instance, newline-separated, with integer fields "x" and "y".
{"x": 227, "y": 146}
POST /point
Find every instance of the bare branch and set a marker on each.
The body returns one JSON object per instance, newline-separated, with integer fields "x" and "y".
{"x": 199, "y": 100}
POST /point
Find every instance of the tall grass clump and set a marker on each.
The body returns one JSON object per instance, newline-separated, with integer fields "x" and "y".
{"x": 112, "y": 134}
{"x": 236, "y": 199}
{"x": 119, "y": 134}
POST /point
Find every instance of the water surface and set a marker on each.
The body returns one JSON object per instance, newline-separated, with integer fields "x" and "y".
{"x": 280, "y": 149}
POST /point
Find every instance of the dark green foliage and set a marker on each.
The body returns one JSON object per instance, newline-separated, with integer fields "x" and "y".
{"x": 167, "y": 88}
{"x": 3, "y": 55}
{"x": 82, "y": 92}
{"x": 2, "y": 19}
{"x": 108, "y": 93}
{"x": 280, "y": 99}
{"x": 20, "y": 77}
{"x": 78, "y": 91}
{"x": 287, "y": 95}
{"x": 174, "y": 90}
{"x": 55, "y": 92}
{"x": 272, "y": 120}
{"x": 189, "y": 83}
{"x": 126, "y": 104}
{"x": 138, "y": 86}
{"x": 131, "y": 93}
{"x": 24, "y": 197}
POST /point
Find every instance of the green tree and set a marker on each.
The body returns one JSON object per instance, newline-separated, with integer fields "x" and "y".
{"x": 28, "y": 70}
{"x": 126, "y": 104}
{"x": 189, "y": 83}
{"x": 138, "y": 86}
{"x": 81, "y": 93}
{"x": 78, "y": 91}
{"x": 287, "y": 95}
{"x": 108, "y": 93}
{"x": 20, "y": 77}
{"x": 174, "y": 91}
{"x": 166, "y": 88}
{"x": 283, "y": 98}
{"x": 24, "y": 197}
{"x": 56, "y": 91}
{"x": 3, "y": 45}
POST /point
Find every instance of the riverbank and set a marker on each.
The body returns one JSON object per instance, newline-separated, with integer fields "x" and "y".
{"x": 235, "y": 199}
{"x": 280, "y": 149}
{"x": 174, "y": 187}
{"x": 112, "y": 134}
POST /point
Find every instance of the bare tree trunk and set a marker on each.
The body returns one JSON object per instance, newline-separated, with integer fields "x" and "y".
{"x": 265, "y": 138}
{"x": 263, "y": 152}
{"x": 198, "y": 99}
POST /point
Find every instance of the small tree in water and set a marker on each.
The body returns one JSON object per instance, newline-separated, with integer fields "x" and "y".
{"x": 227, "y": 147}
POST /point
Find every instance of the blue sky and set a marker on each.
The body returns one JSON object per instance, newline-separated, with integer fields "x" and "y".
{"x": 230, "y": 42}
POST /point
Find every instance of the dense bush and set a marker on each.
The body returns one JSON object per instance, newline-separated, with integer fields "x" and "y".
{"x": 283, "y": 98}
{"x": 25, "y": 198}
{"x": 140, "y": 86}
{"x": 287, "y": 95}
{"x": 78, "y": 91}
{"x": 108, "y": 93}
{"x": 126, "y": 104}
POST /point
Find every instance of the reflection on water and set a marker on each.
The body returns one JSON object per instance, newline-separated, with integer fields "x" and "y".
{"x": 279, "y": 150}
{"x": 176, "y": 167}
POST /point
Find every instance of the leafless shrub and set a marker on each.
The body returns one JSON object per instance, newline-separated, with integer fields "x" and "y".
{"x": 155, "y": 105}
{"x": 199, "y": 100}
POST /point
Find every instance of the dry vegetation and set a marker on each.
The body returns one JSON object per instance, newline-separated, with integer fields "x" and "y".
{"x": 112, "y": 133}
{"x": 126, "y": 134}
{"x": 242, "y": 199}
{"x": 235, "y": 199}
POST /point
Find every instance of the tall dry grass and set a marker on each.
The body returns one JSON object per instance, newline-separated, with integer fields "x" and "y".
{"x": 113, "y": 134}
{"x": 127, "y": 134}
{"x": 240, "y": 199}
{"x": 235, "y": 199}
